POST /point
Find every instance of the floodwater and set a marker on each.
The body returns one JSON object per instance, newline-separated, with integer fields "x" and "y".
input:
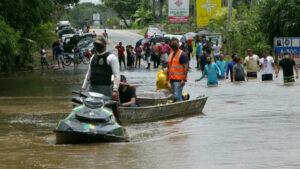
{"x": 251, "y": 125}
{"x": 248, "y": 125}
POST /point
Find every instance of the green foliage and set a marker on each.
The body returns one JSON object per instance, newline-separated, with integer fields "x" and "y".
{"x": 25, "y": 15}
{"x": 279, "y": 18}
{"x": 66, "y": 2}
{"x": 44, "y": 35}
{"x": 125, "y": 8}
{"x": 241, "y": 33}
{"x": 113, "y": 22}
{"x": 24, "y": 29}
{"x": 143, "y": 16}
{"x": 82, "y": 14}
{"x": 9, "y": 47}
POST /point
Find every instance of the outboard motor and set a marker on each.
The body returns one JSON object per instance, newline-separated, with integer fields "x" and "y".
{"x": 92, "y": 121}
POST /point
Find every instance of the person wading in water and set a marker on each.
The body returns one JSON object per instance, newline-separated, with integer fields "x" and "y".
{"x": 102, "y": 66}
{"x": 177, "y": 69}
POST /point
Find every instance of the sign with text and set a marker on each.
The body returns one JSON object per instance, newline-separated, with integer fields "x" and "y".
{"x": 178, "y": 11}
{"x": 290, "y": 45}
{"x": 206, "y": 9}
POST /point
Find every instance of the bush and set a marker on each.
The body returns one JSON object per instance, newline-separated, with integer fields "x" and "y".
{"x": 114, "y": 21}
{"x": 9, "y": 46}
{"x": 241, "y": 33}
{"x": 44, "y": 35}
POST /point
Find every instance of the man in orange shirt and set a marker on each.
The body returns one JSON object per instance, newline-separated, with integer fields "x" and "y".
{"x": 177, "y": 69}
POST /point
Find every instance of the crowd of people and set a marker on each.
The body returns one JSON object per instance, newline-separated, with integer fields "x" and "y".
{"x": 239, "y": 69}
{"x": 210, "y": 60}
{"x": 173, "y": 57}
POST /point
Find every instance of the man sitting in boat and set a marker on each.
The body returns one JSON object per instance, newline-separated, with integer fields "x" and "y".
{"x": 127, "y": 93}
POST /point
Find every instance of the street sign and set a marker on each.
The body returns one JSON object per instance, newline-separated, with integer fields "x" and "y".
{"x": 290, "y": 45}
{"x": 178, "y": 11}
{"x": 206, "y": 9}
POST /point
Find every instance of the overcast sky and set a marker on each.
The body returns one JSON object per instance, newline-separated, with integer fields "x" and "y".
{"x": 94, "y": 1}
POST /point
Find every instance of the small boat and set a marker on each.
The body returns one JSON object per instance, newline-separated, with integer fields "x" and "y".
{"x": 93, "y": 121}
{"x": 147, "y": 113}
{"x": 154, "y": 98}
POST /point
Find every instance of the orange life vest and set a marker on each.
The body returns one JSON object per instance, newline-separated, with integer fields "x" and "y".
{"x": 176, "y": 71}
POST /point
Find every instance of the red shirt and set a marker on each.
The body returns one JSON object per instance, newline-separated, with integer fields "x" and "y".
{"x": 165, "y": 48}
{"x": 190, "y": 42}
{"x": 156, "y": 49}
{"x": 121, "y": 50}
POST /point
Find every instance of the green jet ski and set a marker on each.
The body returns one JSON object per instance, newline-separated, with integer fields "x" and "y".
{"x": 92, "y": 121}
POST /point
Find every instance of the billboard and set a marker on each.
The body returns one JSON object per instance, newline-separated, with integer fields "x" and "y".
{"x": 287, "y": 44}
{"x": 178, "y": 11}
{"x": 206, "y": 9}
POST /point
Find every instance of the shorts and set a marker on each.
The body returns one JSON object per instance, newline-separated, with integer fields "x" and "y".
{"x": 60, "y": 58}
{"x": 216, "y": 57}
{"x": 252, "y": 74}
{"x": 288, "y": 79}
{"x": 44, "y": 61}
{"x": 266, "y": 77}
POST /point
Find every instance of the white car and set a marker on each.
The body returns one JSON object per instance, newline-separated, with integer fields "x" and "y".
{"x": 61, "y": 24}
{"x": 173, "y": 36}
{"x": 153, "y": 31}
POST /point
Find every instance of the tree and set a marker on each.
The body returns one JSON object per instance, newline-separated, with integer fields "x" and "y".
{"x": 82, "y": 14}
{"x": 25, "y": 15}
{"x": 25, "y": 27}
{"x": 242, "y": 32}
{"x": 9, "y": 47}
{"x": 279, "y": 18}
{"x": 144, "y": 14}
{"x": 124, "y": 8}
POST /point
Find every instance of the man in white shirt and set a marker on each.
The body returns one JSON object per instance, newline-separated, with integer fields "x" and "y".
{"x": 102, "y": 67}
{"x": 217, "y": 51}
{"x": 266, "y": 67}
{"x": 252, "y": 64}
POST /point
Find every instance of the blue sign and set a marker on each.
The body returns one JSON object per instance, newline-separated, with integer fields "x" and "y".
{"x": 289, "y": 45}
{"x": 291, "y": 50}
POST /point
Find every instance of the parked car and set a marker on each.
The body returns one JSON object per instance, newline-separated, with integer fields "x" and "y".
{"x": 170, "y": 36}
{"x": 62, "y": 24}
{"x": 67, "y": 30}
{"x": 153, "y": 31}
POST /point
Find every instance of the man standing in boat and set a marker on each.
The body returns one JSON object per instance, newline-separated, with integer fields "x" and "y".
{"x": 102, "y": 66}
{"x": 177, "y": 69}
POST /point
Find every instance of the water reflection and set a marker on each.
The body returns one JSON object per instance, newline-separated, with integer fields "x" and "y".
{"x": 246, "y": 125}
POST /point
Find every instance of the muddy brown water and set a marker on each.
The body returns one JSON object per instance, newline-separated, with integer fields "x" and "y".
{"x": 252, "y": 125}
{"x": 247, "y": 125}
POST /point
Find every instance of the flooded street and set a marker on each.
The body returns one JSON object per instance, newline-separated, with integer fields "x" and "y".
{"x": 249, "y": 125}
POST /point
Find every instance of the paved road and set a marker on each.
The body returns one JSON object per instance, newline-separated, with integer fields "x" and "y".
{"x": 127, "y": 37}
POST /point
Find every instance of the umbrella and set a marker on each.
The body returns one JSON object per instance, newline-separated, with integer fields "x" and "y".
{"x": 139, "y": 43}
{"x": 203, "y": 32}
{"x": 157, "y": 39}
{"x": 183, "y": 39}
{"x": 145, "y": 40}
{"x": 190, "y": 35}
{"x": 167, "y": 39}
